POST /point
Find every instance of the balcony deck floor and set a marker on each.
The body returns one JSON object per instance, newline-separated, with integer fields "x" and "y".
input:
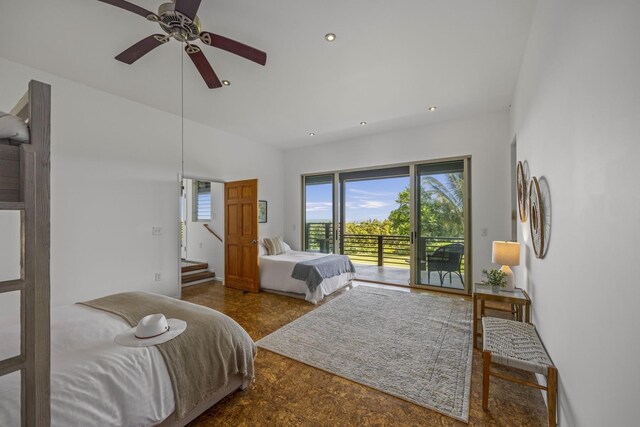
{"x": 400, "y": 276}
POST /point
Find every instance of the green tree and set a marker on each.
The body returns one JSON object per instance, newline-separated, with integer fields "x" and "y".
{"x": 368, "y": 227}
{"x": 400, "y": 217}
{"x": 448, "y": 193}
{"x": 441, "y": 207}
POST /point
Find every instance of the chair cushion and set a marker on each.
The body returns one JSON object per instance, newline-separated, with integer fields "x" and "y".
{"x": 514, "y": 344}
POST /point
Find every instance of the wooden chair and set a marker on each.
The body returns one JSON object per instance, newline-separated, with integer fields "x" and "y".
{"x": 518, "y": 345}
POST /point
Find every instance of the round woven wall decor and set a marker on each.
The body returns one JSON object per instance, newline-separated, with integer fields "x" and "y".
{"x": 521, "y": 187}
{"x": 536, "y": 218}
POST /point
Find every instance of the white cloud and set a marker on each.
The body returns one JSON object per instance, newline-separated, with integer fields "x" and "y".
{"x": 373, "y": 204}
{"x": 319, "y": 206}
{"x": 372, "y": 193}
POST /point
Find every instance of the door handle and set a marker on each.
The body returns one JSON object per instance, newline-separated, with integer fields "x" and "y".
{"x": 253, "y": 242}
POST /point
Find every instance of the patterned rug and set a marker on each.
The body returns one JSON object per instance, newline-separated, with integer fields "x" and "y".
{"x": 414, "y": 346}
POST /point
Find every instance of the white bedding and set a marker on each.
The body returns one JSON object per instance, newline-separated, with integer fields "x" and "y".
{"x": 275, "y": 274}
{"x": 88, "y": 370}
{"x": 12, "y": 127}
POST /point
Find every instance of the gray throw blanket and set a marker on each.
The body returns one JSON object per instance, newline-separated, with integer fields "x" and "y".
{"x": 201, "y": 360}
{"x": 314, "y": 271}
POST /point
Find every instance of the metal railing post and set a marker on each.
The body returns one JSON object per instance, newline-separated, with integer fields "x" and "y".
{"x": 327, "y": 237}
{"x": 380, "y": 250}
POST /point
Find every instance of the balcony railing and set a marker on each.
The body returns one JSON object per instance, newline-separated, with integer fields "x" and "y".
{"x": 377, "y": 249}
{"x": 319, "y": 237}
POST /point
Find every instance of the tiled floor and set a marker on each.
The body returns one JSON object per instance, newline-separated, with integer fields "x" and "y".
{"x": 400, "y": 276}
{"x": 287, "y": 392}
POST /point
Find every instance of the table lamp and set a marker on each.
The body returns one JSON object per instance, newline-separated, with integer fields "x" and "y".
{"x": 507, "y": 254}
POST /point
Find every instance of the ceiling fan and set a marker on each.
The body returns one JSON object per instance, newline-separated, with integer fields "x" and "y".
{"x": 178, "y": 19}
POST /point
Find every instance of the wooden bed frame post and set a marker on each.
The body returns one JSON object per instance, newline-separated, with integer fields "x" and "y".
{"x": 36, "y": 379}
{"x": 32, "y": 198}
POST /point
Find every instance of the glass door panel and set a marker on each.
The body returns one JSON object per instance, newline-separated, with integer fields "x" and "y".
{"x": 319, "y": 214}
{"x": 376, "y": 218}
{"x": 440, "y": 211}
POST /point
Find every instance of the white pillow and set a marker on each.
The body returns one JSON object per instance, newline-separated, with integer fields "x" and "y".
{"x": 275, "y": 246}
{"x": 287, "y": 248}
{"x": 261, "y": 249}
{"x": 12, "y": 127}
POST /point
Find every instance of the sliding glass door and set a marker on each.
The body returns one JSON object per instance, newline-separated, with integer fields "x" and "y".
{"x": 405, "y": 225}
{"x": 440, "y": 211}
{"x": 376, "y": 217}
{"x": 319, "y": 215}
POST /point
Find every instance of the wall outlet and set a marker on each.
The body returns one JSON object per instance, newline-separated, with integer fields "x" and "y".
{"x": 484, "y": 232}
{"x": 200, "y": 245}
{"x": 156, "y": 231}
{"x": 158, "y": 277}
{"x": 294, "y": 227}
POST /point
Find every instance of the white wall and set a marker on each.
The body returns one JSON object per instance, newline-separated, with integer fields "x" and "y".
{"x": 485, "y": 138}
{"x": 576, "y": 114}
{"x": 201, "y": 245}
{"x": 10, "y": 265}
{"x": 114, "y": 175}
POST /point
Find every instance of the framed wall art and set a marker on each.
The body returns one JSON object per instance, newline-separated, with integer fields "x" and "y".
{"x": 262, "y": 211}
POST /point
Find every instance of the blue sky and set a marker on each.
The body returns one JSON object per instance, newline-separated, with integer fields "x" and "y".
{"x": 370, "y": 199}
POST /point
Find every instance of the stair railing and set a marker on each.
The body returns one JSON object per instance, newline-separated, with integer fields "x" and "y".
{"x": 212, "y": 232}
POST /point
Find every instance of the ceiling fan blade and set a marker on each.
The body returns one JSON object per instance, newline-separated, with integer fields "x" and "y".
{"x": 188, "y": 8}
{"x": 203, "y": 66}
{"x": 130, "y": 7}
{"x": 141, "y": 48}
{"x": 235, "y": 47}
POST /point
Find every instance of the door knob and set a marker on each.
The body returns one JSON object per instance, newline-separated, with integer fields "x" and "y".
{"x": 253, "y": 242}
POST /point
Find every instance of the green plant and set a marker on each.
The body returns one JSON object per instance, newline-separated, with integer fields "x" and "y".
{"x": 495, "y": 277}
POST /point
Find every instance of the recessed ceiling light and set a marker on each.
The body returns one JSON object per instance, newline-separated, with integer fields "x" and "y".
{"x": 226, "y": 82}
{"x": 312, "y": 134}
{"x": 433, "y": 108}
{"x": 329, "y": 37}
{"x": 363, "y": 123}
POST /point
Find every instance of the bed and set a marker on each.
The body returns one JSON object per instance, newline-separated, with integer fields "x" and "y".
{"x": 276, "y": 271}
{"x": 97, "y": 382}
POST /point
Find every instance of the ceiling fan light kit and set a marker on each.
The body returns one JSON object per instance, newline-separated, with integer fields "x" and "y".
{"x": 179, "y": 20}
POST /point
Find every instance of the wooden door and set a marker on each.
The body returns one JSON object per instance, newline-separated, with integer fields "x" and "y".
{"x": 241, "y": 235}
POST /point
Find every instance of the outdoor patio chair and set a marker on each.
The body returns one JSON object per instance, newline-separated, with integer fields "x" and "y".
{"x": 446, "y": 260}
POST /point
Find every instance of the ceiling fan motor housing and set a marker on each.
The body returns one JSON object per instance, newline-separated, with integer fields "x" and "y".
{"x": 176, "y": 25}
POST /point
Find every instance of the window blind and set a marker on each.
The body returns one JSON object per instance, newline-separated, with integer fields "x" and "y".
{"x": 202, "y": 202}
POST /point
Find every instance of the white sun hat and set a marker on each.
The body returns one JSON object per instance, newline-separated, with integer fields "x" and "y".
{"x": 151, "y": 330}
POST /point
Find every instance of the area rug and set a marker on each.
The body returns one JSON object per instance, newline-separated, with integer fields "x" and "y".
{"x": 414, "y": 346}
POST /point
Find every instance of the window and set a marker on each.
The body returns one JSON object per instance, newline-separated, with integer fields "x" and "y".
{"x": 201, "y": 201}
{"x": 318, "y": 230}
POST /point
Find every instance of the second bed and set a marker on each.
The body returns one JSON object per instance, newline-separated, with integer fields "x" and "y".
{"x": 276, "y": 272}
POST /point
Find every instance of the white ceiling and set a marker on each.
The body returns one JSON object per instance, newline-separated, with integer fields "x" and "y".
{"x": 391, "y": 60}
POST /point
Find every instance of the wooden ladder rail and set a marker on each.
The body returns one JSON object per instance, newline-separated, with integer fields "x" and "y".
{"x": 33, "y": 362}
{"x": 212, "y": 232}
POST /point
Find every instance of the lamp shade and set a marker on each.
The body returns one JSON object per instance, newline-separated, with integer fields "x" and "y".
{"x": 506, "y": 253}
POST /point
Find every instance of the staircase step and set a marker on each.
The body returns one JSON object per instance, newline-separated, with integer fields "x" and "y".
{"x": 188, "y": 278}
{"x": 194, "y": 267}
